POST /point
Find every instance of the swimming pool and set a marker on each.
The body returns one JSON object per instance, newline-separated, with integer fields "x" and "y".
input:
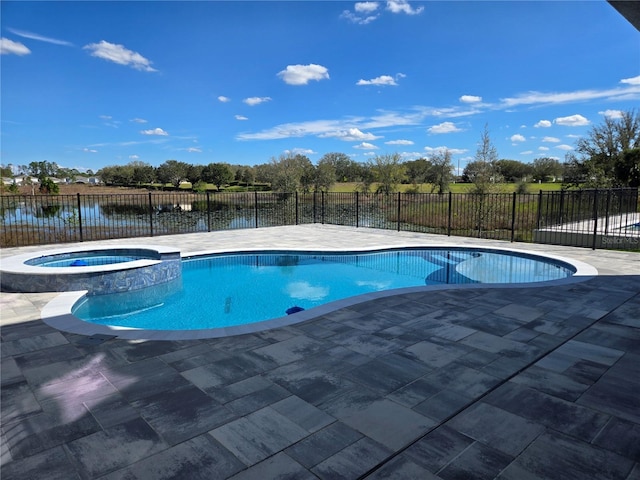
{"x": 230, "y": 290}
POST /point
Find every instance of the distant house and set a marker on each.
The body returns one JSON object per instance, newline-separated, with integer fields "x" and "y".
{"x": 7, "y": 180}
{"x": 88, "y": 180}
{"x": 25, "y": 180}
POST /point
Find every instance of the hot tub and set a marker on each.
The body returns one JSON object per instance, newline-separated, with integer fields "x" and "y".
{"x": 98, "y": 270}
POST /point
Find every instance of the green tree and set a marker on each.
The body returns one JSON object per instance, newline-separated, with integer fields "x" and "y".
{"x": 141, "y": 172}
{"x": 172, "y": 171}
{"x": 48, "y": 186}
{"x": 6, "y": 171}
{"x": 441, "y": 171}
{"x": 248, "y": 176}
{"x": 546, "y": 169}
{"x": 602, "y": 151}
{"x": 485, "y": 169}
{"x": 365, "y": 179}
{"x": 194, "y": 174}
{"x": 43, "y": 169}
{"x": 325, "y": 175}
{"x": 286, "y": 172}
{"x": 265, "y": 172}
{"x": 514, "y": 170}
{"x": 627, "y": 168}
{"x": 307, "y": 176}
{"x": 418, "y": 171}
{"x": 388, "y": 171}
{"x": 346, "y": 169}
{"x": 218, "y": 173}
{"x": 117, "y": 174}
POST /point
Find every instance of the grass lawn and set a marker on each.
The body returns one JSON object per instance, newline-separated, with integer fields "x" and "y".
{"x": 455, "y": 187}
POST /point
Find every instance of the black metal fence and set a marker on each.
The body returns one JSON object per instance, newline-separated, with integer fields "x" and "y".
{"x": 587, "y": 218}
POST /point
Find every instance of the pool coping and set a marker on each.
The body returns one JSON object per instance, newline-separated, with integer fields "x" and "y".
{"x": 57, "y": 312}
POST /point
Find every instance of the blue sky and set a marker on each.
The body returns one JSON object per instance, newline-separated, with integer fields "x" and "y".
{"x": 90, "y": 84}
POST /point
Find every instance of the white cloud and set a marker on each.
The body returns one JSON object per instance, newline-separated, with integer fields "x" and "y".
{"x": 526, "y": 152}
{"x": 154, "y": 131}
{"x": 133, "y": 157}
{"x": 89, "y": 150}
{"x": 384, "y": 119}
{"x": 411, "y": 155}
{"x": 253, "y": 101}
{"x": 366, "y": 146}
{"x": 551, "y": 139}
{"x": 194, "y": 150}
{"x": 613, "y": 114}
{"x": 381, "y": 80}
{"x": 470, "y": 99}
{"x": 9, "y": 47}
{"x": 399, "y": 142}
{"x": 517, "y": 138}
{"x": 402, "y": 6}
{"x": 631, "y": 81}
{"x": 241, "y": 117}
{"x": 41, "y": 38}
{"x": 536, "y": 98}
{"x": 358, "y": 19}
{"x": 445, "y": 127}
{"x": 453, "y": 151}
{"x": 138, "y": 120}
{"x": 223, "y": 99}
{"x": 119, "y": 54}
{"x": 450, "y": 112}
{"x": 109, "y": 122}
{"x": 366, "y": 7}
{"x": 543, "y": 124}
{"x": 299, "y": 151}
{"x": 572, "y": 121}
{"x": 543, "y": 149}
{"x": 573, "y": 135}
{"x": 303, "y": 74}
{"x": 350, "y": 135}
{"x": 564, "y": 147}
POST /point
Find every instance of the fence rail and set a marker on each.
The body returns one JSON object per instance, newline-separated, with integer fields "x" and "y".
{"x": 587, "y": 218}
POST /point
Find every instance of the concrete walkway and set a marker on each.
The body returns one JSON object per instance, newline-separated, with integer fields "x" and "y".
{"x": 518, "y": 383}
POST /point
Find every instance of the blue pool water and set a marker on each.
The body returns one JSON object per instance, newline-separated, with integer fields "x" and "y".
{"x": 88, "y": 261}
{"x": 225, "y": 290}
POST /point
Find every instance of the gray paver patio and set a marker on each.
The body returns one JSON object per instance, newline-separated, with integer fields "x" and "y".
{"x": 510, "y": 383}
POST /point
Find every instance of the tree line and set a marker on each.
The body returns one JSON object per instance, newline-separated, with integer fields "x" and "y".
{"x": 608, "y": 156}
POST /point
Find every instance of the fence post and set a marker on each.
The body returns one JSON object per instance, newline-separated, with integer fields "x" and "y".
{"x": 296, "y": 207}
{"x": 449, "y": 215}
{"x": 357, "y": 210}
{"x": 150, "y": 215}
{"x": 513, "y": 218}
{"x": 399, "y": 211}
{"x": 208, "y": 212}
{"x": 255, "y": 206}
{"x": 606, "y": 212}
{"x": 314, "y": 206}
{"x": 595, "y": 218}
{"x": 79, "y": 218}
{"x": 539, "y": 210}
{"x": 322, "y": 206}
